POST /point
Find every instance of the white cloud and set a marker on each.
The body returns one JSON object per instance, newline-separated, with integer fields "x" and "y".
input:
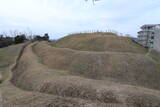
{"x": 63, "y": 16}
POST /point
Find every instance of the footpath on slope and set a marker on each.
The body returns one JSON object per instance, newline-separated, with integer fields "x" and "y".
{"x": 16, "y": 97}
{"x": 30, "y": 75}
{"x": 118, "y": 67}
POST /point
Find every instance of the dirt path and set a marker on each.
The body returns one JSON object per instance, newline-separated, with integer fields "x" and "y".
{"x": 34, "y": 76}
{"x": 36, "y": 85}
{"x": 18, "y": 97}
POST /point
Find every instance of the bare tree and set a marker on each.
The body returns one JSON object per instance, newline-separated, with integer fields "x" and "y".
{"x": 93, "y": 1}
{"x": 30, "y": 34}
{"x": 14, "y": 33}
{"x": 4, "y": 33}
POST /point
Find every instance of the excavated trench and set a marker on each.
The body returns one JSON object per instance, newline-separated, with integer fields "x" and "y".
{"x": 39, "y": 78}
{"x": 31, "y": 75}
{"x": 14, "y": 95}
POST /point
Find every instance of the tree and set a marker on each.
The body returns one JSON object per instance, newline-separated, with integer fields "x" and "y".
{"x": 14, "y": 33}
{"x": 43, "y": 38}
{"x": 93, "y": 1}
{"x": 29, "y": 34}
{"x": 20, "y": 38}
{"x": 5, "y": 41}
{"x": 46, "y": 36}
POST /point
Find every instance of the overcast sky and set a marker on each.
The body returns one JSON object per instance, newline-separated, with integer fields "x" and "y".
{"x": 59, "y": 17}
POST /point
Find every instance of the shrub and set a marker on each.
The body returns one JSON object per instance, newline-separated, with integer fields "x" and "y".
{"x": 20, "y": 38}
{"x": 5, "y": 41}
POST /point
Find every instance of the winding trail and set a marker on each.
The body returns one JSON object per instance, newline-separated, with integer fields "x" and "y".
{"x": 16, "y": 96}
{"x": 33, "y": 84}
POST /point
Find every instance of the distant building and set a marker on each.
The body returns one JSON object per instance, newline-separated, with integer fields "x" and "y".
{"x": 149, "y": 36}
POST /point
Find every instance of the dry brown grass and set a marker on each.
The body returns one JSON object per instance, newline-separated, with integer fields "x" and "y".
{"x": 45, "y": 76}
{"x": 29, "y": 76}
{"x": 155, "y": 55}
{"x": 7, "y": 57}
{"x": 128, "y": 68}
{"x": 11, "y": 96}
{"x": 34, "y": 76}
{"x": 15, "y": 97}
{"x": 99, "y": 42}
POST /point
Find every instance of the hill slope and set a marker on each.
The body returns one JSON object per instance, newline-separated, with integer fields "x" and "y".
{"x": 46, "y": 76}
{"x": 128, "y": 68}
{"x": 7, "y": 57}
{"x": 32, "y": 75}
{"x": 99, "y": 42}
{"x": 114, "y": 57}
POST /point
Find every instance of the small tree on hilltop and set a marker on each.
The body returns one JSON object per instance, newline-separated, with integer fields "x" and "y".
{"x": 20, "y": 39}
{"x": 46, "y": 37}
{"x": 42, "y": 38}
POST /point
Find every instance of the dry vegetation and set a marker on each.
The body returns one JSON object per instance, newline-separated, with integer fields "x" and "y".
{"x": 7, "y": 57}
{"x": 46, "y": 76}
{"x": 30, "y": 75}
{"x": 99, "y": 42}
{"x": 119, "y": 67}
{"x": 154, "y": 55}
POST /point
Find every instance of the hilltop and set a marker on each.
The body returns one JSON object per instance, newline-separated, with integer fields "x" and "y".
{"x": 105, "y": 56}
{"x": 99, "y": 42}
{"x": 54, "y": 74}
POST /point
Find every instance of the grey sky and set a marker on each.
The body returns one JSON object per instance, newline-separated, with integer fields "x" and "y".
{"x": 59, "y": 17}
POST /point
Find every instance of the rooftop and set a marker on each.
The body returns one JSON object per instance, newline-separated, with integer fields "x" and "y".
{"x": 149, "y": 25}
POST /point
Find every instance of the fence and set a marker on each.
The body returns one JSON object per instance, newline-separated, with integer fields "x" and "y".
{"x": 98, "y": 31}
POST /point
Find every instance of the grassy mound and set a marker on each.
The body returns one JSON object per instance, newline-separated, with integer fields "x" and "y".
{"x": 155, "y": 55}
{"x": 11, "y": 96}
{"x": 7, "y": 57}
{"x": 99, "y": 42}
{"x": 128, "y": 68}
{"x": 34, "y": 76}
{"x": 118, "y": 75}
